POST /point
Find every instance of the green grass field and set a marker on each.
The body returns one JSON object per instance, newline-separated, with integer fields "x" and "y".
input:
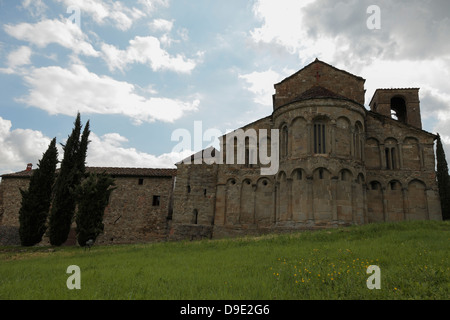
{"x": 413, "y": 258}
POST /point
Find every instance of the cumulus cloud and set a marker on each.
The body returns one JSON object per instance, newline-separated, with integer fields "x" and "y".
{"x": 113, "y": 13}
{"x": 35, "y": 7}
{"x": 16, "y": 59}
{"x": 68, "y": 91}
{"x": 161, "y": 25}
{"x": 45, "y": 32}
{"x": 410, "y": 50}
{"x": 337, "y": 30}
{"x": 108, "y": 150}
{"x": 19, "y": 57}
{"x": 146, "y": 50}
{"x": 19, "y": 147}
{"x": 261, "y": 85}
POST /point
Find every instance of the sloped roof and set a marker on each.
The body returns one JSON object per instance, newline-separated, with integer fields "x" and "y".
{"x": 119, "y": 172}
{"x": 211, "y": 151}
{"x": 317, "y": 92}
{"x": 326, "y": 64}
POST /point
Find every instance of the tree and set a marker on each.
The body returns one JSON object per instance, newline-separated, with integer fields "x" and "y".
{"x": 93, "y": 197}
{"x": 443, "y": 180}
{"x": 36, "y": 199}
{"x": 70, "y": 175}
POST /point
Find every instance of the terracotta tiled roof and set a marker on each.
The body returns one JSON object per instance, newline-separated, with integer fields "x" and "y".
{"x": 120, "y": 172}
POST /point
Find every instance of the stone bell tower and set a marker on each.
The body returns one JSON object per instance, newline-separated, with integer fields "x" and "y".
{"x": 400, "y": 104}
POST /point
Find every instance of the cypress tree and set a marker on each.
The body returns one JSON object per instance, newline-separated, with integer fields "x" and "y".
{"x": 36, "y": 199}
{"x": 69, "y": 178}
{"x": 443, "y": 180}
{"x": 93, "y": 197}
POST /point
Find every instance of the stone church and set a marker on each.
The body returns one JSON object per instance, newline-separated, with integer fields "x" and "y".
{"x": 338, "y": 164}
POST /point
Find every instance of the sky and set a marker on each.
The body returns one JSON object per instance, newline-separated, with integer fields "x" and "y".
{"x": 140, "y": 71}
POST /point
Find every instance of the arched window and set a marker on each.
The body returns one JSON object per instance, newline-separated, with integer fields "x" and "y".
{"x": 320, "y": 138}
{"x": 391, "y": 159}
{"x": 398, "y": 109}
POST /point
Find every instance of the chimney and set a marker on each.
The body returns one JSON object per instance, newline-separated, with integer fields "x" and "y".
{"x": 29, "y": 166}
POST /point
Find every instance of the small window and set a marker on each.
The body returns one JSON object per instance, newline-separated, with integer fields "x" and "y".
{"x": 156, "y": 201}
{"x": 195, "y": 217}
{"x": 141, "y": 181}
{"x": 321, "y": 174}
{"x": 188, "y": 189}
{"x": 299, "y": 175}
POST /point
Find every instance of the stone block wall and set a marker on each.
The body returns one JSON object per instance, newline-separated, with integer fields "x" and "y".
{"x": 138, "y": 210}
{"x": 319, "y": 73}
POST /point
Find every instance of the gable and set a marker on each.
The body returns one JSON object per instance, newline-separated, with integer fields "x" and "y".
{"x": 319, "y": 74}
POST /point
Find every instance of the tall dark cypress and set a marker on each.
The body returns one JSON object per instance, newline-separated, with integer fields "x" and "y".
{"x": 443, "y": 180}
{"x": 69, "y": 178}
{"x": 93, "y": 197}
{"x": 36, "y": 199}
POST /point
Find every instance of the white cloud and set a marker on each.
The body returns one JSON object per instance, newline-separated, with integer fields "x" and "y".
{"x": 108, "y": 151}
{"x": 68, "y": 91}
{"x": 146, "y": 50}
{"x": 45, "y": 32}
{"x": 261, "y": 85}
{"x": 116, "y": 13}
{"x": 34, "y": 7}
{"x": 22, "y": 146}
{"x": 282, "y": 23}
{"x": 161, "y": 25}
{"x": 19, "y": 57}
{"x": 19, "y": 147}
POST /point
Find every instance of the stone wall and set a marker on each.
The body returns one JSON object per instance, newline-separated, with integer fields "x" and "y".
{"x": 138, "y": 210}
{"x": 9, "y": 209}
{"x": 401, "y": 173}
{"x": 319, "y": 73}
{"x": 361, "y": 167}
{"x": 194, "y": 201}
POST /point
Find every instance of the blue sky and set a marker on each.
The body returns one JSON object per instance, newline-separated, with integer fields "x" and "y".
{"x": 139, "y": 70}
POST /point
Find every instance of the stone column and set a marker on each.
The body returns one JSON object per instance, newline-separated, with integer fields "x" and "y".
{"x": 352, "y": 144}
{"x": 254, "y": 187}
{"x": 382, "y": 157}
{"x": 310, "y": 147}
{"x": 334, "y": 183}
{"x": 333, "y": 139}
{"x": 400, "y": 156}
{"x": 276, "y": 202}
{"x": 289, "y": 207}
{"x": 310, "y": 205}
{"x": 353, "y": 202}
{"x": 221, "y": 205}
{"x": 383, "y": 197}
{"x": 405, "y": 203}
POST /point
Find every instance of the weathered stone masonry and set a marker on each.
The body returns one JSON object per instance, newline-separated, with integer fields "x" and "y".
{"x": 138, "y": 209}
{"x": 339, "y": 164}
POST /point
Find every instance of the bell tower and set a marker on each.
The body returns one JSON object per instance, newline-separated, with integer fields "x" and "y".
{"x": 400, "y": 104}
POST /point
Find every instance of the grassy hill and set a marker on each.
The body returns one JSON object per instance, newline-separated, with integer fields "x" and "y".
{"x": 413, "y": 258}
